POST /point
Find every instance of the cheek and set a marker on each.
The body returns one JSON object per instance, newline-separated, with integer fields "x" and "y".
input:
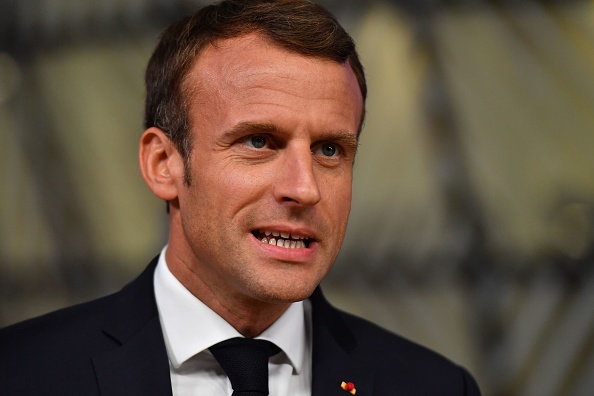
{"x": 342, "y": 192}
{"x": 248, "y": 179}
{"x": 233, "y": 189}
{"x": 339, "y": 202}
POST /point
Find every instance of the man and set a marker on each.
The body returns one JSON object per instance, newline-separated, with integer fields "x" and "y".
{"x": 253, "y": 115}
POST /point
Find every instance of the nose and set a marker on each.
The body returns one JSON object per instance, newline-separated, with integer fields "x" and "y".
{"x": 296, "y": 180}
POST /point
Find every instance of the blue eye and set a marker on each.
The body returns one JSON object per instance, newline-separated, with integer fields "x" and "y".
{"x": 257, "y": 141}
{"x": 328, "y": 150}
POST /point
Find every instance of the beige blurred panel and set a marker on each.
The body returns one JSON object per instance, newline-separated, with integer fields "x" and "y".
{"x": 525, "y": 110}
{"x": 570, "y": 335}
{"x": 25, "y": 240}
{"x": 396, "y": 204}
{"x": 436, "y": 317}
{"x": 577, "y": 21}
{"x": 95, "y": 96}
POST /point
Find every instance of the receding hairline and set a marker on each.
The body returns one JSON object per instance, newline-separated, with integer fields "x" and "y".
{"x": 189, "y": 92}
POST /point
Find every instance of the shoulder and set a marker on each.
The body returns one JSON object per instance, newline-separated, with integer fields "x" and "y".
{"x": 386, "y": 345}
{"x": 55, "y": 326}
{"x": 412, "y": 366}
{"x": 55, "y": 351}
{"x": 83, "y": 323}
{"x": 52, "y": 352}
{"x": 399, "y": 363}
{"x": 382, "y": 342}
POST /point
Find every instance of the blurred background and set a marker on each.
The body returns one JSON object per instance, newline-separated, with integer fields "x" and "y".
{"x": 472, "y": 226}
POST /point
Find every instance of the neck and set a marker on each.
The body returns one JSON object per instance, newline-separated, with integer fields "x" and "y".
{"x": 249, "y": 316}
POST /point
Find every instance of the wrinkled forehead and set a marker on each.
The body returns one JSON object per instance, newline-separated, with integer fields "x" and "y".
{"x": 229, "y": 65}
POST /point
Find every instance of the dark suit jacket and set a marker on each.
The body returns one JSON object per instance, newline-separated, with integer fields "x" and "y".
{"x": 114, "y": 346}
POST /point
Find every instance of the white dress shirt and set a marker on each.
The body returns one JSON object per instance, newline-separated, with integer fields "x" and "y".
{"x": 190, "y": 328}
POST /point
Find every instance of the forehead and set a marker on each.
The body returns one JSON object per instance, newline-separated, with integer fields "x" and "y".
{"x": 238, "y": 67}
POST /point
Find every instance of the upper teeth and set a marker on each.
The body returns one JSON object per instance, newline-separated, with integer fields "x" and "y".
{"x": 284, "y": 235}
{"x": 283, "y": 239}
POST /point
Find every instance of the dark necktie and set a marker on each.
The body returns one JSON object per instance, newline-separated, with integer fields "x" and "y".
{"x": 245, "y": 362}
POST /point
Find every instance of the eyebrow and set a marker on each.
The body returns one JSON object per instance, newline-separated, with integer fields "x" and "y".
{"x": 246, "y": 127}
{"x": 348, "y": 139}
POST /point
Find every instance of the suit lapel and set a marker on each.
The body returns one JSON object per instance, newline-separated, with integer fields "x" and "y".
{"x": 333, "y": 346}
{"x": 132, "y": 368}
{"x": 139, "y": 365}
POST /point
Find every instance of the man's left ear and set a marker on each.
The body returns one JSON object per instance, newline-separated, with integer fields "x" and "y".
{"x": 161, "y": 164}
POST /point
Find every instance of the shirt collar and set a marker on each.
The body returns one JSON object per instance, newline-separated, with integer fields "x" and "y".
{"x": 190, "y": 326}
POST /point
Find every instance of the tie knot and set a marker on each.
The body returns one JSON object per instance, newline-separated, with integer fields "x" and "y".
{"x": 245, "y": 361}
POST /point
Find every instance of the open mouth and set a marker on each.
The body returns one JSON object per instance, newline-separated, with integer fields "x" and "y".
{"x": 282, "y": 239}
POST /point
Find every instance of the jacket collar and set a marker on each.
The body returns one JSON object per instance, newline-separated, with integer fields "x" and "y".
{"x": 334, "y": 347}
{"x": 139, "y": 365}
{"x": 132, "y": 368}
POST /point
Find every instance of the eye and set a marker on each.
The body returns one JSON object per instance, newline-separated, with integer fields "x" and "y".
{"x": 327, "y": 149}
{"x": 257, "y": 141}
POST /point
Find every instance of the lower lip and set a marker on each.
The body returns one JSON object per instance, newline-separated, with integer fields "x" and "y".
{"x": 296, "y": 255}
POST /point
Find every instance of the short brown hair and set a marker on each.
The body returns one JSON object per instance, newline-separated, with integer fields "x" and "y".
{"x": 299, "y": 26}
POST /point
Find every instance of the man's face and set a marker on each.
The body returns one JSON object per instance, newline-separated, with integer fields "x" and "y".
{"x": 274, "y": 135}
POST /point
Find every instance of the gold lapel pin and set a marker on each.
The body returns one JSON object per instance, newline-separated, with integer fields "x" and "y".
{"x": 349, "y": 387}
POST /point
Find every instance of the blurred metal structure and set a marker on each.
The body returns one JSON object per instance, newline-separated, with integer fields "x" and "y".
{"x": 472, "y": 228}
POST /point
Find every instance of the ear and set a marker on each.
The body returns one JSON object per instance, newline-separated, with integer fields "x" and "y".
{"x": 161, "y": 164}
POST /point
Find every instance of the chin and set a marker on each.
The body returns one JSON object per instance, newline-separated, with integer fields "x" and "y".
{"x": 284, "y": 283}
{"x": 285, "y": 294}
